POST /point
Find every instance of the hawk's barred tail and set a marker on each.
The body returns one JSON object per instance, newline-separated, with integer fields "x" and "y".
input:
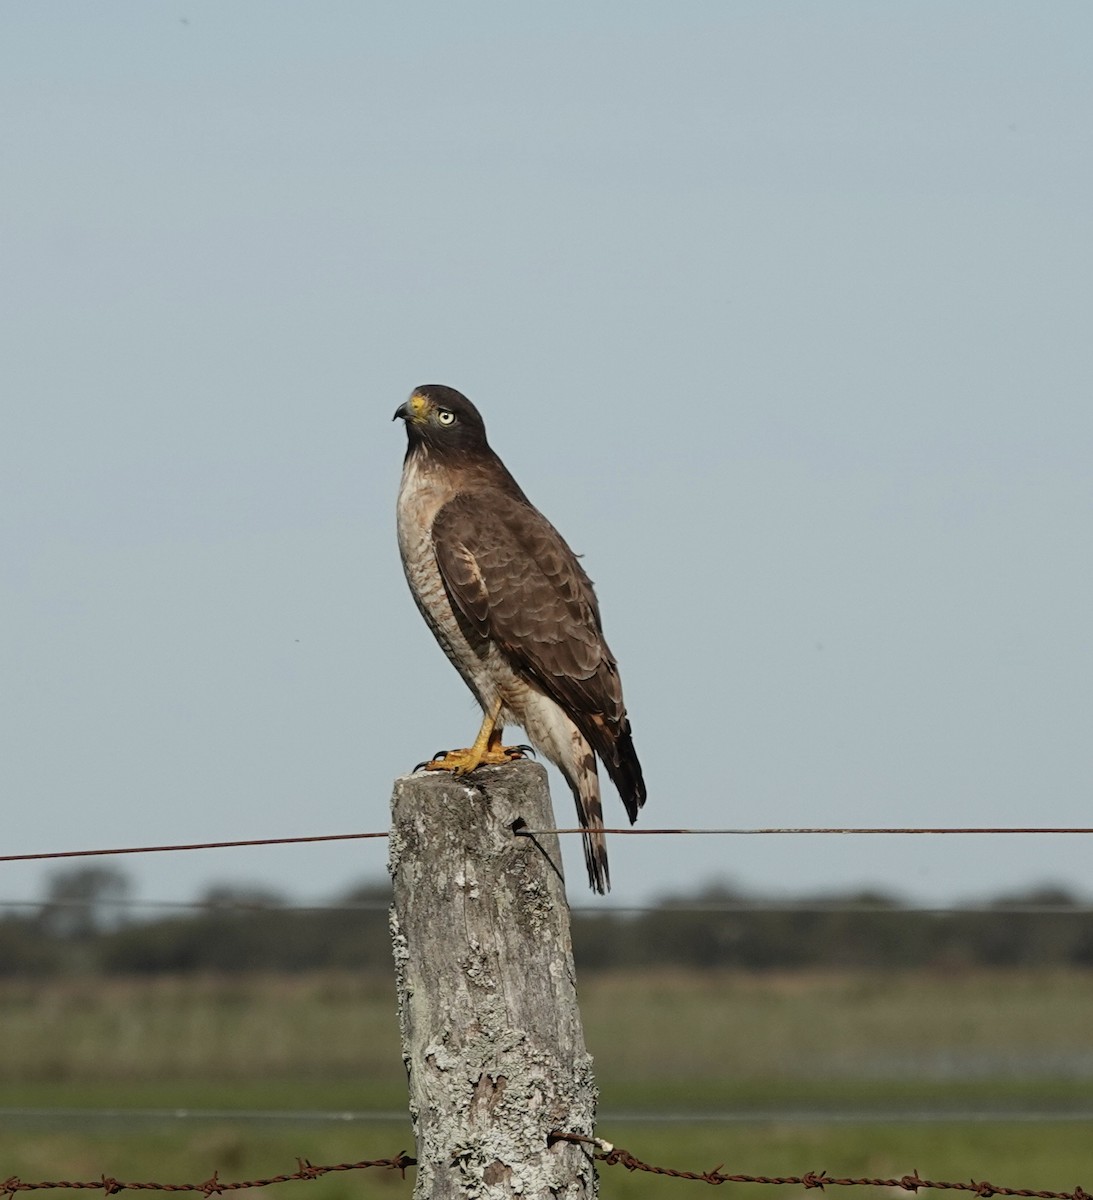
{"x": 586, "y": 793}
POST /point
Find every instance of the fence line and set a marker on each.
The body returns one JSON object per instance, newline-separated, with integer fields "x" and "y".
{"x": 602, "y": 1151}
{"x": 765, "y": 831}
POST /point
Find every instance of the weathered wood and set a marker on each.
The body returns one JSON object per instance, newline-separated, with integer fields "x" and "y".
{"x": 491, "y": 1033}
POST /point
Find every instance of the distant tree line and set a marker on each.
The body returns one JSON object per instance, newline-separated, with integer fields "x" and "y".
{"x": 86, "y": 924}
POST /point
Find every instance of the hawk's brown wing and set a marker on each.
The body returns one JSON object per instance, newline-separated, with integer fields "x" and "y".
{"x": 512, "y": 577}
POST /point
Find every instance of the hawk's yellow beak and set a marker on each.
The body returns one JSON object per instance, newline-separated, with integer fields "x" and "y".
{"x": 416, "y": 409}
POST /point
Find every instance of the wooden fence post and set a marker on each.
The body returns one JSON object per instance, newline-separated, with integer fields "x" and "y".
{"x": 491, "y": 1033}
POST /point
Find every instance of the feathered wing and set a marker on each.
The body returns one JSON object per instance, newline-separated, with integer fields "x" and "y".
{"x": 512, "y": 577}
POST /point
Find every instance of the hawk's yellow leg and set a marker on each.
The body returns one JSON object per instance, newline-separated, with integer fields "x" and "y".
{"x": 487, "y": 750}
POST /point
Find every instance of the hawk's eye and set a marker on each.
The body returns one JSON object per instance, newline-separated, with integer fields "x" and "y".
{"x": 445, "y": 417}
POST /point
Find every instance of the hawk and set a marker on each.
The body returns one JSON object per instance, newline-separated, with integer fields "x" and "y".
{"x": 513, "y": 610}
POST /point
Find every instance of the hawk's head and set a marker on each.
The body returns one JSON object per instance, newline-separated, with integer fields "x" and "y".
{"x": 442, "y": 419}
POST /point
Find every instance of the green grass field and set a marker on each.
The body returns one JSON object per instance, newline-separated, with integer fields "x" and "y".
{"x": 802, "y": 1049}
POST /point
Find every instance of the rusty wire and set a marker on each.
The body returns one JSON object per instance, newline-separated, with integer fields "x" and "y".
{"x": 614, "y": 1156}
{"x": 213, "y": 1186}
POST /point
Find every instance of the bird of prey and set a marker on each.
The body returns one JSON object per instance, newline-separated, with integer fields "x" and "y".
{"x": 513, "y": 610}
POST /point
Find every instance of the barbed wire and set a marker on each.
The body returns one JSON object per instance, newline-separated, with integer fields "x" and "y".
{"x": 213, "y": 1186}
{"x": 604, "y": 1152}
{"x": 765, "y": 831}
{"x": 613, "y": 1156}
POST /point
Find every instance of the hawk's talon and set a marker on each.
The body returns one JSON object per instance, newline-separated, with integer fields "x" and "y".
{"x": 463, "y": 762}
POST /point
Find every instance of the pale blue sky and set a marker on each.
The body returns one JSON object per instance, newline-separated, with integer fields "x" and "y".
{"x": 781, "y": 312}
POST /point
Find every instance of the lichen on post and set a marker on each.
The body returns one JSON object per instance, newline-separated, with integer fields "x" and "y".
{"x": 491, "y": 1032}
